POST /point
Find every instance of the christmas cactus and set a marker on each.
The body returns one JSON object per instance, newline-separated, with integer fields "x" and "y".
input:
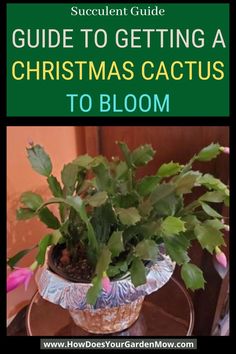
{"x": 120, "y": 221}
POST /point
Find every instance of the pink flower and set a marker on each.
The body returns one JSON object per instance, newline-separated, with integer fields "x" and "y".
{"x": 106, "y": 284}
{"x": 18, "y": 277}
{"x": 221, "y": 257}
{"x": 225, "y": 149}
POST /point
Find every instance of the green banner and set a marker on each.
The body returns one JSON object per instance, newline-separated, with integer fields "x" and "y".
{"x": 118, "y": 60}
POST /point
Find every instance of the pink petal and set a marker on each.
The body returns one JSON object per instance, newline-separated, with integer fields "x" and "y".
{"x": 221, "y": 259}
{"x": 106, "y": 284}
{"x": 226, "y": 150}
{"x": 12, "y": 283}
{"x": 18, "y": 277}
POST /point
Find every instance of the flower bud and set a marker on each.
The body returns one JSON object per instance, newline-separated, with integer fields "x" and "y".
{"x": 30, "y": 142}
{"x": 106, "y": 284}
{"x": 225, "y": 149}
{"x": 221, "y": 257}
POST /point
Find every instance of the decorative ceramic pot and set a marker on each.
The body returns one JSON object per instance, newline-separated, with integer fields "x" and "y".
{"x": 113, "y": 311}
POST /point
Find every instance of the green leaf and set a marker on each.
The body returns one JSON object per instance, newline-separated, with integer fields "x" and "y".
{"x": 172, "y": 226}
{"x": 125, "y": 201}
{"x": 115, "y": 243}
{"x": 147, "y": 185}
{"x": 213, "y": 197}
{"x": 77, "y": 204}
{"x": 211, "y": 182}
{"x": 56, "y": 237}
{"x": 138, "y": 272}
{"x": 170, "y": 205}
{"x": 62, "y": 211}
{"x": 93, "y": 292}
{"x": 147, "y": 250}
{"x": 126, "y": 185}
{"x": 126, "y": 153}
{"x": 134, "y": 231}
{"x": 43, "y": 244}
{"x": 227, "y": 201}
{"x": 24, "y": 214}
{"x": 161, "y": 192}
{"x": 186, "y": 182}
{"x": 119, "y": 268}
{"x": 104, "y": 181}
{"x": 103, "y": 262}
{"x": 145, "y": 207}
{"x": 39, "y": 160}
{"x": 210, "y": 211}
{"x": 54, "y": 186}
{"x": 121, "y": 170}
{"x": 12, "y": 261}
{"x": 189, "y": 235}
{"x": 176, "y": 247}
{"x": 215, "y": 223}
{"x": 69, "y": 175}
{"x": 85, "y": 185}
{"x": 83, "y": 161}
{"x": 128, "y": 216}
{"x": 65, "y": 226}
{"x": 209, "y": 152}
{"x": 97, "y": 199}
{"x": 190, "y": 221}
{"x": 104, "y": 228}
{"x": 80, "y": 181}
{"x": 152, "y": 228}
{"x": 142, "y": 155}
{"x": 98, "y": 160}
{"x": 169, "y": 169}
{"x": 192, "y": 276}
{"x": 31, "y": 200}
{"x": 208, "y": 236}
{"x": 48, "y": 218}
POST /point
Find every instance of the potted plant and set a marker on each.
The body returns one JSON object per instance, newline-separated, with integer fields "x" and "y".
{"x": 117, "y": 238}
